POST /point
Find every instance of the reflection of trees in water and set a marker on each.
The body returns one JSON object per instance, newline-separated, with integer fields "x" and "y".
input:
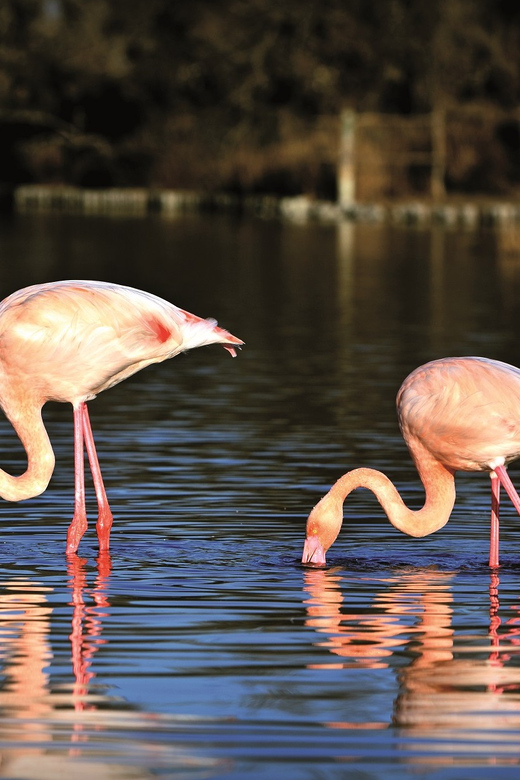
{"x": 452, "y": 684}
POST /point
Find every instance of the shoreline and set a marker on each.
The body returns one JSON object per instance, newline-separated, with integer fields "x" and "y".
{"x": 40, "y": 198}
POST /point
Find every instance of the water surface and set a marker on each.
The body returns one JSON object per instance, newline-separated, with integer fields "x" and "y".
{"x": 200, "y": 647}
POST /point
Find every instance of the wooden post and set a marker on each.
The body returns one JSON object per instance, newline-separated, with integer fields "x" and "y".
{"x": 346, "y": 163}
{"x": 438, "y": 188}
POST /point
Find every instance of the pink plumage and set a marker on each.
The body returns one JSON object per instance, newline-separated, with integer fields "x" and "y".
{"x": 455, "y": 414}
{"x": 67, "y": 341}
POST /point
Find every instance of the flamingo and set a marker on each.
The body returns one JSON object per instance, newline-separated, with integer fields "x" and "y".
{"x": 67, "y": 341}
{"x": 455, "y": 414}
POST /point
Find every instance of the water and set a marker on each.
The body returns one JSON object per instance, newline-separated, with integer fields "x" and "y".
{"x": 200, "y": 648}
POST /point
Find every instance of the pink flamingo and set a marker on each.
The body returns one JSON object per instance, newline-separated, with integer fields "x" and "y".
{"x": 455, "y": 414}
{"x": 68, "y": 341}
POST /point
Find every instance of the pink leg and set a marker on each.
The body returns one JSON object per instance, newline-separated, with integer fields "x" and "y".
{"x": 78, "y": 525}
{"x": 510, "y": 489}
{"x": 104, "y": 523}
{"x": 495, "y": 506}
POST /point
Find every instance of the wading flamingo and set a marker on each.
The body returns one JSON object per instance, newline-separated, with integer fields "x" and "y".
{"x": 455, "y": 414}
{"x": 67, "y": 341}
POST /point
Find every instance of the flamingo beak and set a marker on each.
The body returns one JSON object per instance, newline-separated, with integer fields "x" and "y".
{"x": 313, "y": 551}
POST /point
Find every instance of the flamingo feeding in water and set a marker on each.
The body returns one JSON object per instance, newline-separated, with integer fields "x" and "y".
{"x": 67, "y": 341}
{"x": 455, "y": 414}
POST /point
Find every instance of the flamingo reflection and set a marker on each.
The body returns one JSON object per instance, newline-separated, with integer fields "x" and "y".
{"x": 370, "y": 638}
{"x": 85, "y": 638}
{"x": 453, "y": 681}
{"x": 38, "y": 717}
{"x": 30, "y": 708}
{"x": 25, "y": 654}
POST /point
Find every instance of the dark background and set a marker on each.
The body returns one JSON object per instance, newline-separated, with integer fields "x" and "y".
{"x": 221, "y": 94}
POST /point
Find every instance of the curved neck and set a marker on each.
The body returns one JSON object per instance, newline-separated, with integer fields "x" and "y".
{"x": 28, "y": 424}
{"x": 439, "y": 487}
{"x": 325, "y": 520}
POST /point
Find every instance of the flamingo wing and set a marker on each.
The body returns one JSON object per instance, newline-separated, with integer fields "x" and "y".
{"x": 464, "y": 411}
{"x": 79, "y": 338}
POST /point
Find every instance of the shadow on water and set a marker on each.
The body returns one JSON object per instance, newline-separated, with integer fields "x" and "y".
{"x": 201, "y": 647}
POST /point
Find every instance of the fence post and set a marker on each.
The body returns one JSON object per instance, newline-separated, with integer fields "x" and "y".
{"x": 438, "y": 187}
{"x": 346, "y": 162}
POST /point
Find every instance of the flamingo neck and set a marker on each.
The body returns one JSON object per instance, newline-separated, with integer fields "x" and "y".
{"x": 439, "y": 486}
{"x": 325, "y": 520}
{"x": 29, "y": 426}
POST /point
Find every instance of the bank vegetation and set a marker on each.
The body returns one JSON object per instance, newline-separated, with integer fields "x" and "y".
{"x": 244, "y": 96}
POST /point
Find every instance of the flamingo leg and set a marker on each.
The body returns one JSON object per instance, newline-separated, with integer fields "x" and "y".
{"x": 495, "y": 525}
{"x": 505, "y": 480}
{"x": 78, "y": 525}
{"x": 104, "y": 522}
{"x": 510, "y": 489}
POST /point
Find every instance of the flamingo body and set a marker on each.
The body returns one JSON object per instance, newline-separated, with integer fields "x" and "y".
{"x": 68, "y": 341}
{"x": 455, "y": 414}
{"x": 464, "y": 411}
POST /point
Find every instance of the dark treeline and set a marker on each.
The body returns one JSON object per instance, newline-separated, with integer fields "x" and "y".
{"x": 221, "y": 93}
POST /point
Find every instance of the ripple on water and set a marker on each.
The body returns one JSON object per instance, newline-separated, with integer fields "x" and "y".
{"x": 201, "y": 647}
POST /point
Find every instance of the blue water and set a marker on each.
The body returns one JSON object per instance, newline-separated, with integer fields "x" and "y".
{"x": 200, "y": 647}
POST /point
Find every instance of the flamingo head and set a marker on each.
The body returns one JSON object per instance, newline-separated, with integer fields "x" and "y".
{"x": 323, "y": 526}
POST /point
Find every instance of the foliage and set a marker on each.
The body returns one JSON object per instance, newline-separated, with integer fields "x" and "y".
{"x": 193, "y": 93}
